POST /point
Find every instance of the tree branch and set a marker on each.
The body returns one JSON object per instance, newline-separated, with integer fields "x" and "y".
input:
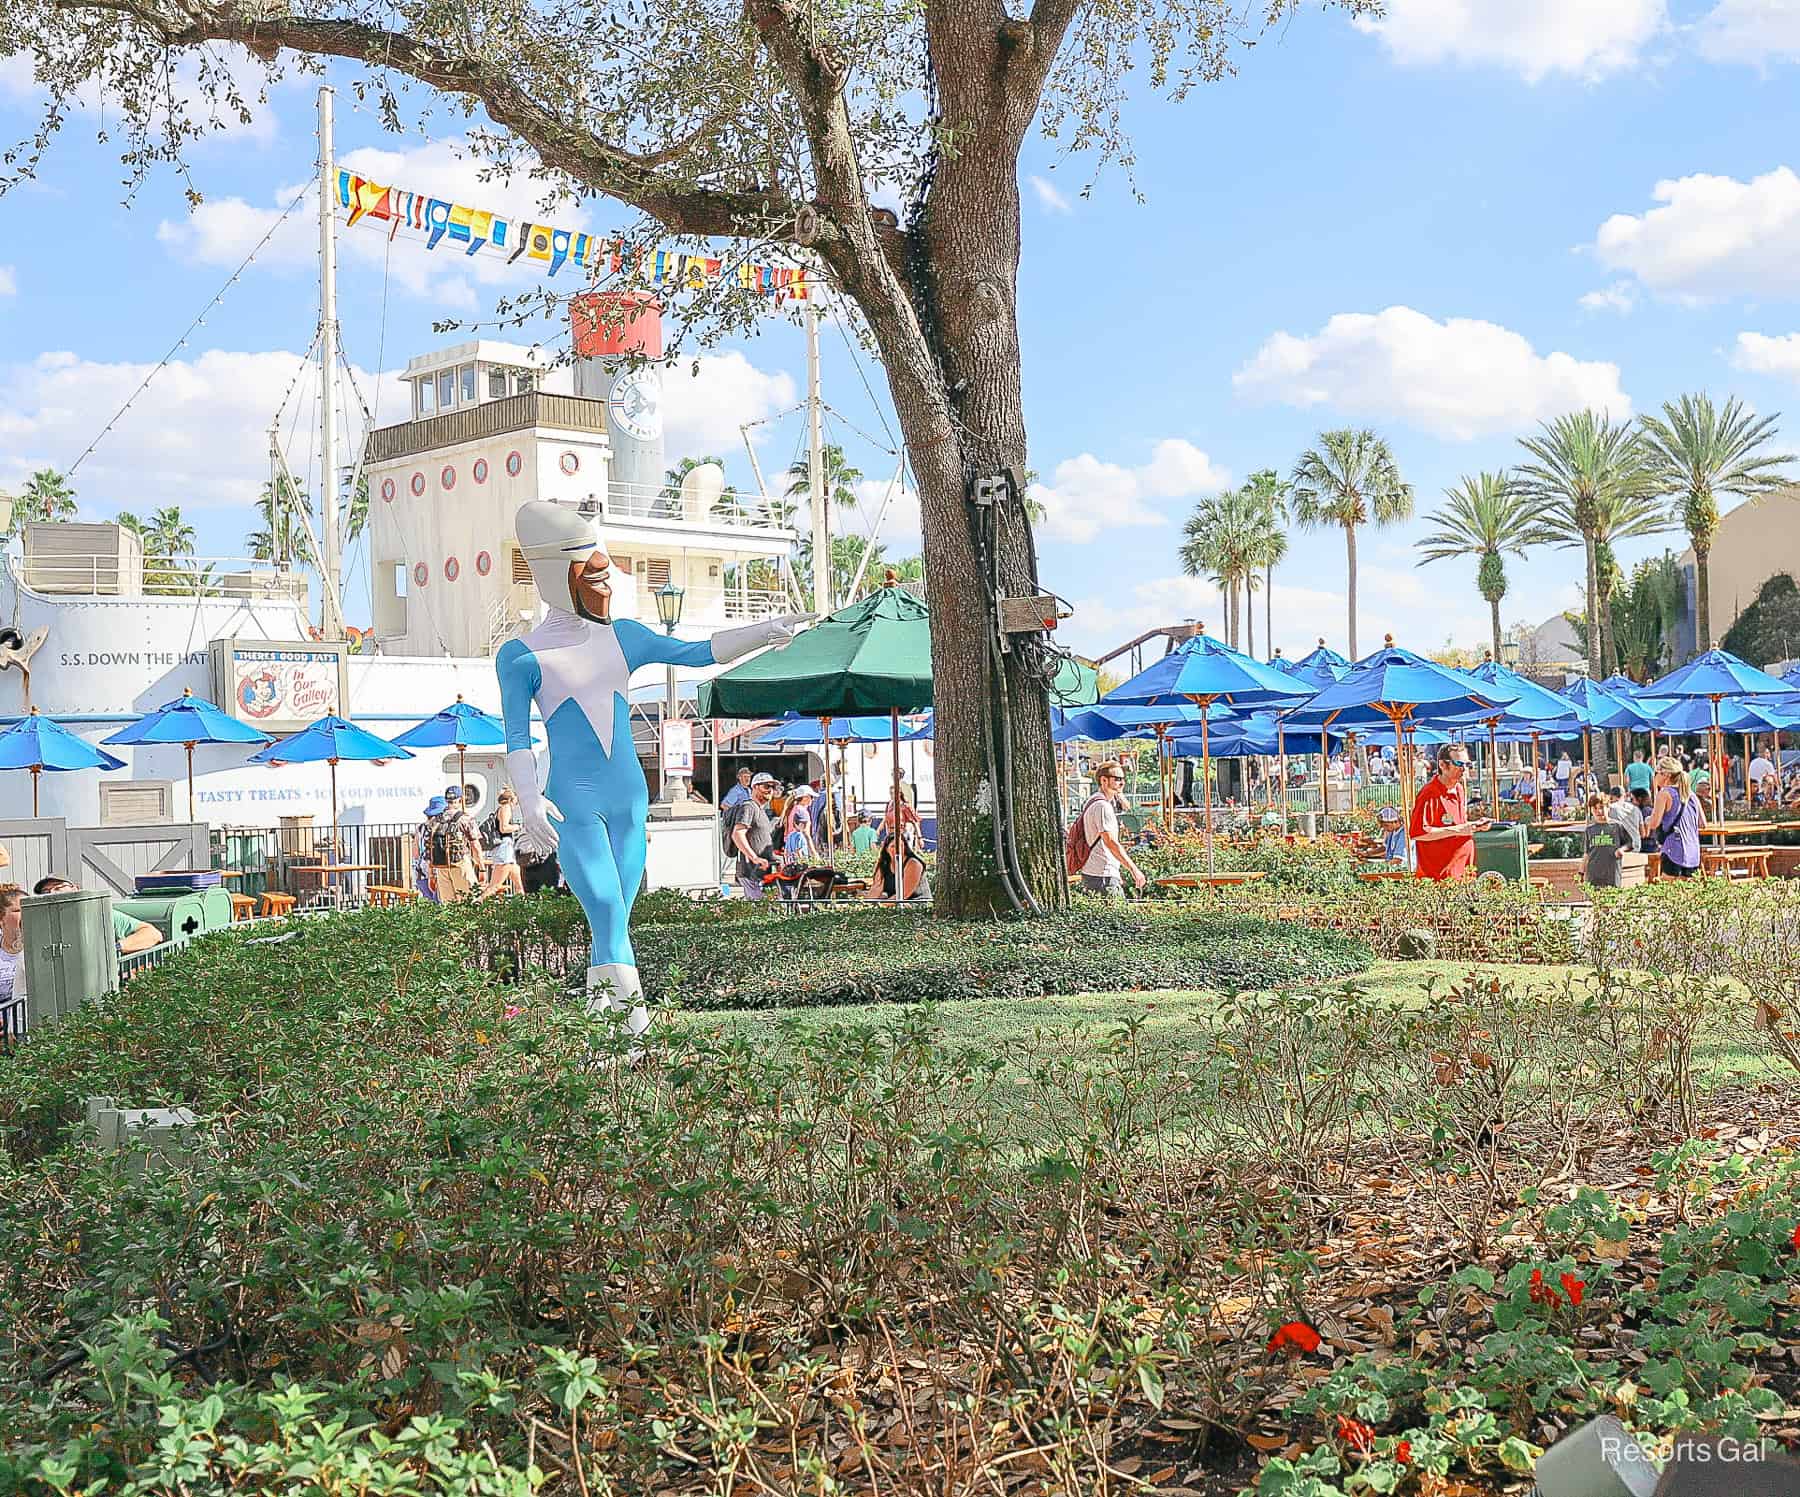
{"x": 629, "y": 176}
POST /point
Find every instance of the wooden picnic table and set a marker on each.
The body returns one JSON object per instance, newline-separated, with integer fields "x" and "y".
{"x": 326, "y": 872}
{"x": 1735, "y": 862}
{"x": 1383, "y": 875}
{"x": 1210, "y": 880}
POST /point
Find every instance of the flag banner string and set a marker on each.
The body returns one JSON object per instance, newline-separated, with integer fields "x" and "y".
{"x": 478, "y": 231}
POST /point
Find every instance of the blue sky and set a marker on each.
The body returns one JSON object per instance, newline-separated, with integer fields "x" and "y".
{"x": 1450, "y": 226}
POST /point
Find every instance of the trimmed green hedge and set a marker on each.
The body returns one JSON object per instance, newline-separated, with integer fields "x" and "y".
{"x": 888, "y": 956}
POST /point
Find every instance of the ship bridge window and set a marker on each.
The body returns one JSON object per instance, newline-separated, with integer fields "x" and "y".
{"x": 446, "y": 389}
{"x": 423, "y": 402}
{"x": 496, "y": 384}
{"x": 467, "y": 374}
{"x": 524, "y": 381}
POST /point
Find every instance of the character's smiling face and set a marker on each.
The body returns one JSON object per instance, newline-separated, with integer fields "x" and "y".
{"x": 590, "y": 586}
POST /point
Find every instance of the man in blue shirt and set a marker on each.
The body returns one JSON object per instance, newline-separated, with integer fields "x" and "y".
{"x": 1637, "y": 773}
{"x": 740, "y": 792}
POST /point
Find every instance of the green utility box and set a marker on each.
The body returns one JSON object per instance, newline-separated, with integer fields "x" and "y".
{"x": 180, "y": 917}
{"x": 70, "y": 956}
{"x": 150, "y": 1138}
{"x": 1501, "y": 849}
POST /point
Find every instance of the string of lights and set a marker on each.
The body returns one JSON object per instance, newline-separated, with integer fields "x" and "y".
{"x": 181, "y": 342}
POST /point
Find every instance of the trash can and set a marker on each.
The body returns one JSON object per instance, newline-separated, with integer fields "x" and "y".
{"x": 1501, "y": 849}
{"x": 177, "y": 917}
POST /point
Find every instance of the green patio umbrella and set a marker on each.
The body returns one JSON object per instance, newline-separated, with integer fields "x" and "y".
{"x": 874, "y": 656}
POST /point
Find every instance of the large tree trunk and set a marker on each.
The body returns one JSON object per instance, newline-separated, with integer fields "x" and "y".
{"x": 1350, "y": 572}
{"x": 1494, "y": 620}
{"x": 1702, "y": 599}
{"x": 1590, "y": 551}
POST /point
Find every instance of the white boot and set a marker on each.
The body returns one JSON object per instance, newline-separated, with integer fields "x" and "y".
{"x": 615, "y": 988}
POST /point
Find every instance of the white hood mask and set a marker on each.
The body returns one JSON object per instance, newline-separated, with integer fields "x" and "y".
{"x": 551, "y": 538}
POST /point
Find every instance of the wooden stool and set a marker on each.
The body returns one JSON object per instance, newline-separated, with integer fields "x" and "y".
{"x": 277, "y": 904}
{"x": 243, "y": 907}
{"x": 390, "y": 894}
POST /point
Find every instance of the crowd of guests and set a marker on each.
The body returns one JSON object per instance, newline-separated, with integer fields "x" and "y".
{"x": 778, "y": 841}
{"x": 456, "y": 859}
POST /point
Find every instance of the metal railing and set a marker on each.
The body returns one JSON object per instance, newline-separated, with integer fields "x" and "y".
{"x": 115, "y": 574}
{"x": 280, "y": 860}
{"x": 633, "y": 501}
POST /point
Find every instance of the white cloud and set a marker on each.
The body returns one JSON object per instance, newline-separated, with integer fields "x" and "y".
{"x": 702, "y": 413}
{"x": 1533, "y": 38}
{"x": 221, "y": 232}
{"x": 9, "y": 281}
{"x": 1460, "y": 378}
{"x": 1761, "y": 354}
{"x": 1085, "y": 494}
{"x": 900, "y": 525}
{"x": 1048, "y": 196}
{"x": 1711, "y": 237}
{"x": 1620, "y": 297}
{"x": 1757, "y": 32}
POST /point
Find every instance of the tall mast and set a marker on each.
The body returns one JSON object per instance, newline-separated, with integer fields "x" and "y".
{"x": 815, "y": 467}
{"x": 331, "y": 618}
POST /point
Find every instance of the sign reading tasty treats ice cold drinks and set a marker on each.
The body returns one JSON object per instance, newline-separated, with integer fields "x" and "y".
{"x": 279, "y": 686}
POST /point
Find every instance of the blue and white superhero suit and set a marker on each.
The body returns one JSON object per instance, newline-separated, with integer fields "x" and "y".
{"x": 594, "y": 803}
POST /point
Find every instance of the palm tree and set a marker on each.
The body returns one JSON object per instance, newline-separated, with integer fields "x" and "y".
{"x": 1350, "y": 479}
{"x": 840, "y": 477}
{"x": 1220, "y": 540}
{"x": 1645, "y": 615}
{"x": 1590, "y": 482}
{"x": 282, "y": 537}
{"x": 46, "y": 497}
{"x": 1270, "y": 496}
{"x": 1485, "y": 517}
{"x": 168, "y": 535}
{"x": 1696, "y": 453}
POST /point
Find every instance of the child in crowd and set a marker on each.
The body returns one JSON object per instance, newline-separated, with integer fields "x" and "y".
{"x": 1602, "y": 840}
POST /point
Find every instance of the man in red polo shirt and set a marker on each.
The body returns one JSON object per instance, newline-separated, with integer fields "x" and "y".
{"x": 1443, "y": 837}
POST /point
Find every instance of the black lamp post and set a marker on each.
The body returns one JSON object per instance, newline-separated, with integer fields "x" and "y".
{"x": 668, "y": 609}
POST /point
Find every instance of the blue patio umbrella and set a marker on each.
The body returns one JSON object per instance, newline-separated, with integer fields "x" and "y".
{"x": 810, "y": 732}
{"x": 1322, "y": 664}
{"x": 1685, "y": 715}
{"x": 1717, "y": 676}
{"x": 330, "y": 740}
{"x": 38, "y": 743}
{"x": 1205, "y": 673}
{"x": 1534, "y": 713}
{"x": 188, "y": 720}
{"x": 1393, "y": 686}
{"x": 457, "y": 726}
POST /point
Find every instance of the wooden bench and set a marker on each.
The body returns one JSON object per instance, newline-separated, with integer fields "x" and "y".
{"x": 388, "y": 895}
{"x": 1735, "y": 862}
{"x": 277, "y": 904}
{"x": 1210, "y": 880}
{"x": 243, "y": 907}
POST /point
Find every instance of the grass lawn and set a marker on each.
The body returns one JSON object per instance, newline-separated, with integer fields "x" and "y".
{"x": 1085, "y": 1022}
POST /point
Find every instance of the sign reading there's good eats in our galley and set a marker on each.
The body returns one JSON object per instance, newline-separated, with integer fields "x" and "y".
{"x": 277, "y": 686}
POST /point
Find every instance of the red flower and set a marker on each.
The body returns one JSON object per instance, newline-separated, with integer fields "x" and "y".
{"x": 1795, "y": 1239}
{"x": 1354, "y": 1433}
{"x": 1295, "y": 1337}
{"x": 1574, "y": 1288}
{"x": 1403, "y": 1452}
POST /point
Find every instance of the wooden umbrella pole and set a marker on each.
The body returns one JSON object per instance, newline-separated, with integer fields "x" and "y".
{"x": 825, "y": 754}
{"x": 36, "y": 770}
{"x": 1718, "y": 775}
{"x": 1324, "y": 781}
{"x": 190, "y": 758}
{"x": 1537, "y": 791}
{"x": 334, "y": 810}
{"x": 1281, "y": 768}
{"x": 1585, "y": 771}
{"x": 1493, "y": 768}
{"x": 1749, "y": 754}
{"x": 1350, "y": 755}
{"x": 1206, "y": 790}
{"x": 897, "y": 849}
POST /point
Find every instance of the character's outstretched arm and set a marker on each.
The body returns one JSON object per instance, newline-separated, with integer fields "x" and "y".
{"x": 644, "y": 646}
{"x": 520, "y": 677}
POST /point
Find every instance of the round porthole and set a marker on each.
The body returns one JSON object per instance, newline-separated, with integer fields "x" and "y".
{"x": 447, "y": 476}
{"x": 387, "y": 490}
{"x": 483, "y": 563}
{"x": 421, "y": 574}
{"x": 418, "y": 484}
{"x": 450, "y": 569}
{"x": 515, "y": 465}
{"x": 479, "y": 471}
{"x": 569, "y": 463}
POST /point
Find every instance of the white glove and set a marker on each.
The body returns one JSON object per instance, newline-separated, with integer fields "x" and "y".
{"x": 537, "y": 832}
{"x": 731, "y": 644}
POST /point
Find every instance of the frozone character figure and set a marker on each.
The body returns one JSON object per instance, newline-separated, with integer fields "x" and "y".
{"x": 576, "y": 665}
